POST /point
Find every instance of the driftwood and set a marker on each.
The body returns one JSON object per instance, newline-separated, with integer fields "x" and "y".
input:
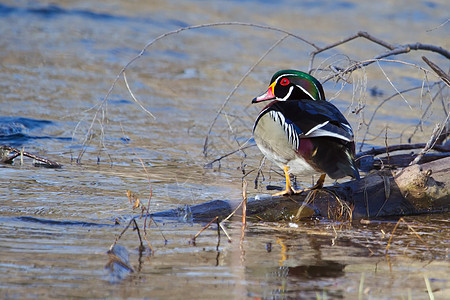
{"x": 416, "y": 189}
{"x": 421, "y": 186}
{"x": 8, "y": 154}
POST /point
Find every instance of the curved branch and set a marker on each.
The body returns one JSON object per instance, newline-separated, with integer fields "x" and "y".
{"x": 445, "y": 77}
{"x": 205, "y": 144}
{"x": 101, "y": 106}
{"x": 394, "y": 50}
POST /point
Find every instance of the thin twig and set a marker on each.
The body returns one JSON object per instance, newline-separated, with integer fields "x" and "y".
{"x": 225, "y": 231}
{"x": 393, "y": 85}
{"x": 367, "y": 62}
{"x": 218, "y": 239}
{"x": 146, "y": 208}
{"x": 134, "y": 98}
{"x": 203, "y": 229}
{"x": 400, "y": 147}
{"x": 439, "y": 26}
{"x": 436, "y": 132}
{"x": 243, "y": 147}
{"x": 233, "y": 212}
{"x": 387, "y": 146}
{"x": 348, "y": 39}
{"x": 133, "y": 220}
{"x": 244, "y": 202}
{"x": 394, "y": 50}
{"x": 160, "y": 231}
{"x": 410, "y": 228}
{"x": 420, "y": 123}
{"x": 445, "y": 78}
{"x": 261, "y": 164}
{"x": 102, "y": 106}
{"x": 205, "y": 144}
{"x": 308, "y": 200}
{"x": 387, "y": 193}
{"x": 378, "y": 107}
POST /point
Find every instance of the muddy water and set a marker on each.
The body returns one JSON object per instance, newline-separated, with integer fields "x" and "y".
{"x": 58, "y": 59}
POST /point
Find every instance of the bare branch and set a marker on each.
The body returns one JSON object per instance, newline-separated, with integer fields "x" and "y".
{"x": 401, "y": 147}
{"x": 429, "y": 145}
{"x": 419, "y": 124}
{"x": 102, "y": 105}
{"x": 205, "y": 145}
{"x": 445, "y": 78}
{"x": 393, "y": 50}
{"x": 376, "y": 110}
{"x": 134, "y": 98}
{"x": 209, "y": 165}
{"x": 348, "y": 39}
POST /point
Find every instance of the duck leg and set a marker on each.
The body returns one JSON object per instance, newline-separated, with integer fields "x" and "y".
{"x": 290, "y": 190}
{"x": 318, "y": 185}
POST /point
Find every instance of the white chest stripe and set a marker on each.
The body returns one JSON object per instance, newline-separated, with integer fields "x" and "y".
{"x": 289, "y": 129}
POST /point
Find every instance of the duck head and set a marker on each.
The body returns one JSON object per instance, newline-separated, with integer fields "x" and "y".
{"x": 292, "y": 85}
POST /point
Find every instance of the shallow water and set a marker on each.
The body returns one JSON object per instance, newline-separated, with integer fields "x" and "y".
{"x": 58, "y": 59}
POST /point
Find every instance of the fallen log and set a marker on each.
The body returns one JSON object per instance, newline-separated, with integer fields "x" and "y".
{"x": 416, "y": 189}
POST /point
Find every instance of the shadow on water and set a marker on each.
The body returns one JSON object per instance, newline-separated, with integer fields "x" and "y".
{"x": 17, "y": 131}
{"x": 59, "y": 223}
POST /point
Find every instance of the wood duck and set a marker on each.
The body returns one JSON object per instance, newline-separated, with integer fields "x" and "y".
{"x": 303, "y": 133}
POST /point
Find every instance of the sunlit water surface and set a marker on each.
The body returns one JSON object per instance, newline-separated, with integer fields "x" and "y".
{"x": 58, "y": 59}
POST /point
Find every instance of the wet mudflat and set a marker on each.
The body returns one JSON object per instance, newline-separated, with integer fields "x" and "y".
{"x": 58, "y": 60}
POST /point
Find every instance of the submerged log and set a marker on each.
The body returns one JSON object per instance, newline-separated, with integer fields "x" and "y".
{"x": 416, "y": 189}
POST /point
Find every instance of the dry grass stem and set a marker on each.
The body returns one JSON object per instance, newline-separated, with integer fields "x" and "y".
{"x": 225, "y": 231}
{"x": 244, "y": 202}
{"x": 361, "y": 287}
{"x": 137, "y": 202}
{"x": 308, "y": 200}
{"x": 132, "y": 221}
{"x": 428, "y": 285}
{"x": 237, "y": 207}
{"x": 387, "y": 193}
{"x": 203, "y": 229}
{"x": 401, "y": 220}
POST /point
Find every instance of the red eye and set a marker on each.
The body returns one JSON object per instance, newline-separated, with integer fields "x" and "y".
{"x": 284, "y": 81}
